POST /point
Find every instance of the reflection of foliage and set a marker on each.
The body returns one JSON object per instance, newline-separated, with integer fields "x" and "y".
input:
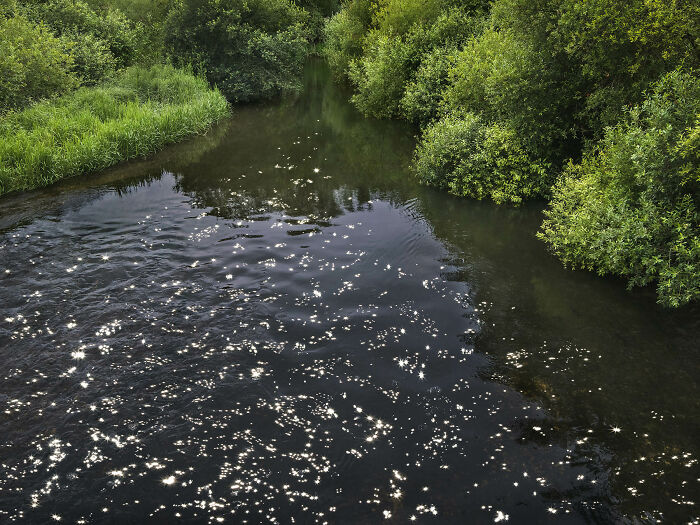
{"x": 130, "y": 176}
{"x": 353, "y": 147}
{"x": 125, "y": 178}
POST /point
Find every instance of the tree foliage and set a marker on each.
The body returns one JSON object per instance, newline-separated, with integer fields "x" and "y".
{"x": 632, "y": 206}
{"x": 77, "y": 20}
{"x": 33, "y": 63}
{"x": 247, "y": 48}
{"x": 344, "y": 34}
{"x": 470, "y": 158}
{"x": 527, "y": 89}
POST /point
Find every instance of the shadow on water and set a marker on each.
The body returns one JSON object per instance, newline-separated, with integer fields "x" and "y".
{"x": 275, "y": 320}
{"x": 616, "y": 372}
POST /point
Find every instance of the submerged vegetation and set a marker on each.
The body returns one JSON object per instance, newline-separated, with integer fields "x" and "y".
{"x": 592, "y": 104}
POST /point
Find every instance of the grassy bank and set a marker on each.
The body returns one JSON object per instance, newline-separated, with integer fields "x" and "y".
{"x": 137, "y": 113}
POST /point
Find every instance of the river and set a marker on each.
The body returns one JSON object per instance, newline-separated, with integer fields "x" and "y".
{"x": 275, "y": 323}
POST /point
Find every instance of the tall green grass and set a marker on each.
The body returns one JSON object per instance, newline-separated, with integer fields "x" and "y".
{"x": 137, "y": 113}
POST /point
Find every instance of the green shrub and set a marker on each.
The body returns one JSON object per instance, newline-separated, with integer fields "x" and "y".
{"x": 423, "y": 95}
{"x": 7, "y": 7}
{"x": 398, "y": 17}
{"x": 622, "y": 46}
{"x": 248, "y": 48}
{"x": 630, "y": 208}
{"x": 76, "y": 17}
{"x": 471, "y": 159}
{"x": 344, "y": 34}
{"x": 380, "y": 75}
{"x": 94, "y": 128}
{"x": 147, "y": 17}
{"x": 390, "y": 60}
{"x": 146, "y": 12}
{"x": 322, "y": 7}
{"x": 505, "y": 78}
{"x": 92, "y": 59}
{"x": 318, "y": 11}
{"x": 33, "y": 64}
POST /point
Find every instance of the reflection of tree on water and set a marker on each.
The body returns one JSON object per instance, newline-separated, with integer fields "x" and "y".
{"x": 171, "y": 160}
{"x": 610, "y": 366}
{"x": 318, "y": 130}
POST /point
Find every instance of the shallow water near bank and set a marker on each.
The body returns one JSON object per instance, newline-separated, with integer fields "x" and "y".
{"x": 275, "y": 322}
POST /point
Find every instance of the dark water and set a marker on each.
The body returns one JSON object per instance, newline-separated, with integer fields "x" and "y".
{"x": 275, "y": 323}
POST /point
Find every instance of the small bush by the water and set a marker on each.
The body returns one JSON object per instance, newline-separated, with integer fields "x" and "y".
{"x": 632, "y": 207}
{"x": 471, "y": 159}
{"x": 93, "y": 128}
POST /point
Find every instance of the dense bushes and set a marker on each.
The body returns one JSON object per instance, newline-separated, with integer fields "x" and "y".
{"x": 33, "y": 63}
{"x": 93, "y": 128}
{"x": 379, "y": 76}
{"x": 510, "y": 93}
{"x": 424, "y": 93}
{"x": 52, "y": 47}
{"x": 632, "y": 207}
{"x": 76, "y": 20}
{"x": 390, "y": 59}
{"x": 247, "y": 48}
{"x": 344, "y": 33}
{"x": 507, "y": 79}
{"x": 620, "y": 47}
{"x": 471, "y": 159}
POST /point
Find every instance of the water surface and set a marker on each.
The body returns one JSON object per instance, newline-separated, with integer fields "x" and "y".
{"x": 274, "y": 323}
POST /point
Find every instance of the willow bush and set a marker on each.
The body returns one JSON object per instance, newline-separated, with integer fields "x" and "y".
{"x": 470, "y": 158}
{"x": 631, "y": 207}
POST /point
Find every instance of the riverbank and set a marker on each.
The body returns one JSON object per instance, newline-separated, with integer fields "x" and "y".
{"x": 593, "y": 109}
{"x": 281, "y": 285}
{"x": 135, "y": 114}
